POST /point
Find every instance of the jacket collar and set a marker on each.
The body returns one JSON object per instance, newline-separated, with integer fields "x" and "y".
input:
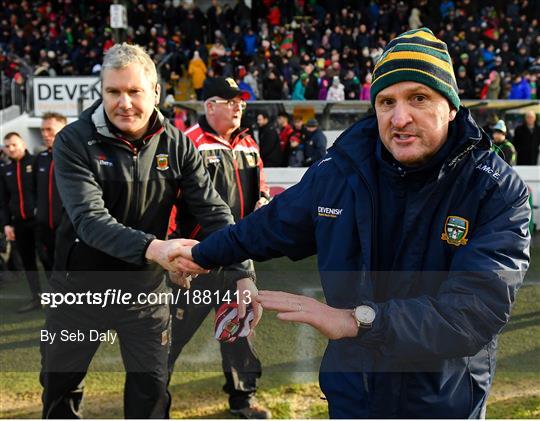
{"x": 105, "y": 128}
{"x": 358, "y": 144}
{"x": 354, "y": 152}
{"x": 23, "y": 158}
{"x": 237, "y": 134}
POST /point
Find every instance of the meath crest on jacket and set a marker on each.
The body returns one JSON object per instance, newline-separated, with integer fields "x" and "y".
{"x": 455, "y": 231}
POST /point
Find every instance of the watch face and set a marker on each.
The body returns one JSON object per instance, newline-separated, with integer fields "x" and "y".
{"x": 364, "y": 314}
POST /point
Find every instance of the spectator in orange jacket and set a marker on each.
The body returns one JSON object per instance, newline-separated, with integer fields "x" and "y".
{"x": 197, "y": 72}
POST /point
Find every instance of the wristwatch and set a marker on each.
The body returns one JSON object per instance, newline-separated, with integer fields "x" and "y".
{"x": 364, "y": 316}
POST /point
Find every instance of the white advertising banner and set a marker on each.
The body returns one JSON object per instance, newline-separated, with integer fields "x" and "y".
{"x": 280, "y": 179}
{"x": 61, "y": 94}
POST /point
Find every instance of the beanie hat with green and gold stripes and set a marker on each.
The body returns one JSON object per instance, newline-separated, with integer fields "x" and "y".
{"x": 416, "y": 56}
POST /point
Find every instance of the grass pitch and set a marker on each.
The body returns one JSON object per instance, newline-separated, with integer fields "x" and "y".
{"x": 290, "y": 355}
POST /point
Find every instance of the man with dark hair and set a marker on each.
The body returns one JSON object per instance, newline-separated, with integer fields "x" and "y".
{"x": 269, "y": 141}
{"x": 17, "y": 207}
{"x": 232, "y": 158}
{"x": 48, "y": 205}
{"x": 312, "y": 83}
{"x": 422, "y": 239}
{"x": 285, "y": 133}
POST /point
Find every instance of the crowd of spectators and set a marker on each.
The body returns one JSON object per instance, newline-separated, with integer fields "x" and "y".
{"x": 281, "y": 49}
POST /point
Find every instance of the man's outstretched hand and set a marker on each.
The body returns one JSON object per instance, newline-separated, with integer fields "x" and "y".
{"x": 174, "y": 255}
{"x": 334, "y": 323}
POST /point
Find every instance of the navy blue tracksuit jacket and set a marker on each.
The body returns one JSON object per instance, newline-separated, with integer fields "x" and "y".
{"x": 460, "y": 257}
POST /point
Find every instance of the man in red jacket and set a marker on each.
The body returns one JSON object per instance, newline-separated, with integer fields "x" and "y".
{"x": 233, "y": 160}
{"x": 17, "y": 210}
{"x": 285, "y": 133}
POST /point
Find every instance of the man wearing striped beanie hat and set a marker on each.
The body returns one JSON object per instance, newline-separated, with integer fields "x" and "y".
{"x": 421, "y": 234}
{"x": 415, "y": 96}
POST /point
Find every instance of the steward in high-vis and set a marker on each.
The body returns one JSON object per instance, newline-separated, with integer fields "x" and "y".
{"x": 421, "y": 235}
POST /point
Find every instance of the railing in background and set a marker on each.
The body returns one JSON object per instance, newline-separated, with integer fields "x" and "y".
{"x": 341, "y": 115}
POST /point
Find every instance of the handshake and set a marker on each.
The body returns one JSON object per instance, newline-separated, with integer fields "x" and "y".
{"x": 175, "y": 257}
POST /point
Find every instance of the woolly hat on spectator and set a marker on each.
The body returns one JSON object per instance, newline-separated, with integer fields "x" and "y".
{"x": 416, "y": 56}
{"x": 312, "y": 123}
{"x": 500, "y": 127}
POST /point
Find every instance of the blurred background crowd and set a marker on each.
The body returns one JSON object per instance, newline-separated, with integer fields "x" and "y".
{"x": 278, "y": 49}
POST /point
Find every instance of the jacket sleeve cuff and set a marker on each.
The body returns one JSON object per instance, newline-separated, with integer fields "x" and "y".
{"x": 234, "y": 273}
{"x": 232, "y": 277}
{"x": 199, "y": 259}
{"x": 148, "y": 239}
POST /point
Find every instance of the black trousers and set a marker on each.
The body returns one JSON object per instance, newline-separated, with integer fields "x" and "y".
{"x": 45, "y": 239}
{"x": 25, "y": 242}
{"x": 143, "y": 333}
{"x": 240, "y": 363}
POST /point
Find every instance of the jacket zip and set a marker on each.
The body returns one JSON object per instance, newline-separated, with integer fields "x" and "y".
{"x": 374, "y": 254}
{"x": 374, "y": 251}
{"x": 136, "y": 182}
{"x": 51, "y": 168}
{"x": 237, "y": 172}
{"x": 135, "y": 166}
{"x": 239, "y": 185}
{"x": 21, "y": 193}
{"x": 230, "y": 144}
